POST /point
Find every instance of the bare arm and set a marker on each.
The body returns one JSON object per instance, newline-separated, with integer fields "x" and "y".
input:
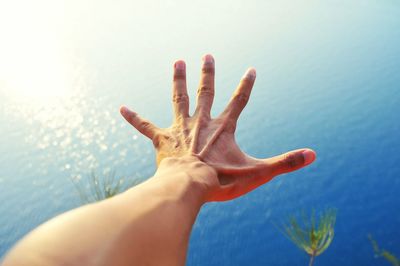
{"x": 146, "y": 225}
{"x": 198, "y": 161}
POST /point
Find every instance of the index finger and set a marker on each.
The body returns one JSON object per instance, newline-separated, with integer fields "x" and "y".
{"x": 241, "y": 95}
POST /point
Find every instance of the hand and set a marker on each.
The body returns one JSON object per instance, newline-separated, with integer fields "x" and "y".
{"x": 211, "y": 140}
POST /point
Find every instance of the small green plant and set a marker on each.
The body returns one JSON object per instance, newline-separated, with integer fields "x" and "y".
{"x": 383, "y": 253}
{"x": 310, "y": 235}
{"x": 97, "y": 187}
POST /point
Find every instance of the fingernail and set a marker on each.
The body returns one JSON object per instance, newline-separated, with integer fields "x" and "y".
{"x": 123, "y": 110}
{"x": 309, "y": 157}
{"x": 180, "y": 65}
{"x": 250, "y": 74}
{"x": 208, "y": 59}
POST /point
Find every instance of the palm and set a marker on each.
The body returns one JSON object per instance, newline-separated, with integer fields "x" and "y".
{"x": 212, "y": 140}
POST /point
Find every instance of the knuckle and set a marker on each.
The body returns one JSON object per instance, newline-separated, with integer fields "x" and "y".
{"x": 247, "y": 82}
{"x": 132, "y": 118}
{"x": 205, "y": 90}
{"x": 144, "y": 124}
{"x": 293, "y": 160}
{"x": 241, "y": 98}
{"x": 208, "y": 69}
{"x": 290, "y": 160}
{"x": 180, "y": 98}
{"x": 179, "y": 75}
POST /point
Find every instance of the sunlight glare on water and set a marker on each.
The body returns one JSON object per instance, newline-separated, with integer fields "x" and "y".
{"x": 45, "y": 87}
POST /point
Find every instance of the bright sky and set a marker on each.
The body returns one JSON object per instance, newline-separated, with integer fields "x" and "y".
{"x": 32, "y": 61}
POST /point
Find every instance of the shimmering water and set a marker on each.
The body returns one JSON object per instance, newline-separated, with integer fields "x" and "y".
{"x": 328, "y": 78}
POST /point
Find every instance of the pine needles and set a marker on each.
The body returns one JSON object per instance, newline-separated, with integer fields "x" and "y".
{"x": 310, "y": 235}
{"x": 383, "y": 253}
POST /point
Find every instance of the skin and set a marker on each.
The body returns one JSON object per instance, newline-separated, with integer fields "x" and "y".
{"x": 198, "y": 161}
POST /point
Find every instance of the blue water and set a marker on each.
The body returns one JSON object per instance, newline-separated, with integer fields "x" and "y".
{"x": 328, "y": 79}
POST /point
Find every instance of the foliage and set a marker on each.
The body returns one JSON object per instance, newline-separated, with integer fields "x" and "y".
{"x": 310, "y": 235}
{"x": 97, "y": 187}
{"x": 384, "y": 253}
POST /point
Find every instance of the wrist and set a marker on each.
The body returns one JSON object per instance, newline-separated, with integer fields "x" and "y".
{"x": 189, "y": 177}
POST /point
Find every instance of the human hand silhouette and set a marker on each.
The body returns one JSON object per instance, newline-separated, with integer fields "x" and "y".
{"x": 211, "y": 140}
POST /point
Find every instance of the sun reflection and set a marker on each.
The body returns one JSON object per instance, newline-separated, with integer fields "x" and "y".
{"x": 40, "y": 76}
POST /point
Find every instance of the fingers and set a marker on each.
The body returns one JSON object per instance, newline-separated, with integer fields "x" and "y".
{"x": 143, "y": 126}
{"x": 241, "y": 95}
{"x": 180, "y": 97}
{"x": 291, "y": 161}
{"x": 205, "y": 92}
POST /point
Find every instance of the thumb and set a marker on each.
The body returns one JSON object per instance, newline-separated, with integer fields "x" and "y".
{"x": 291, "y": 161}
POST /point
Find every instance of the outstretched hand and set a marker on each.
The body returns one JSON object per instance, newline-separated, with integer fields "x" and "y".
{"x": 212, "y": 140}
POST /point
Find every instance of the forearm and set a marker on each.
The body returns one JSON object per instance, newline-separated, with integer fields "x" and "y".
{"x": 158, "y": 232}
{"x": 147, "y": 225}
